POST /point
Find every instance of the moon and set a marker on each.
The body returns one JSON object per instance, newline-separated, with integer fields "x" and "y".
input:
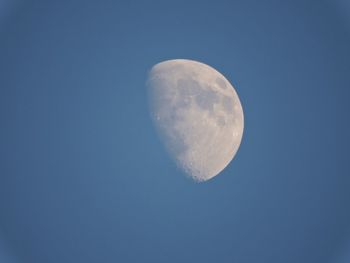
{"x": 197, "y": 114}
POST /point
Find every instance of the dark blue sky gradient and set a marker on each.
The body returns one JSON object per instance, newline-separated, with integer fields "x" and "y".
{"x": 84, "y": 178}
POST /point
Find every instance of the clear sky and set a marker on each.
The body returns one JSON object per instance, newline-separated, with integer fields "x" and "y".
{"x": 84, "y": 178}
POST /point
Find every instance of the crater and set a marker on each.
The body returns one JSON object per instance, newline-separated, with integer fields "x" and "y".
{"x": 220, "y": 121}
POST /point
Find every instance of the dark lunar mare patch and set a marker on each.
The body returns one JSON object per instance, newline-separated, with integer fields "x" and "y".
{"x": 188, "y": 87}
{"x": 227, "y": 102}
{"x": 221, "y": 82}
{"x": 207, "y": 98}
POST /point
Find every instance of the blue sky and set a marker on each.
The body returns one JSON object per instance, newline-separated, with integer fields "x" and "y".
{"x": 84, "y": 178}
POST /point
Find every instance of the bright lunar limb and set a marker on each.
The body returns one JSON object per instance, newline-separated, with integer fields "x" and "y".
{"x": 198, "y": 114}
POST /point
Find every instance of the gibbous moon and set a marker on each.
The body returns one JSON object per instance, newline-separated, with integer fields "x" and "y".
{"x": 198, "y": 115}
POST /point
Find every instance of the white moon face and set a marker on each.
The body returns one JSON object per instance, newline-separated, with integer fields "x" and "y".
{"x": 198, "y": 115}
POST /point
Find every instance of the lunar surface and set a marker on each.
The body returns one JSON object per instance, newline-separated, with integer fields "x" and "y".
{"x": 198, "y": 115}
